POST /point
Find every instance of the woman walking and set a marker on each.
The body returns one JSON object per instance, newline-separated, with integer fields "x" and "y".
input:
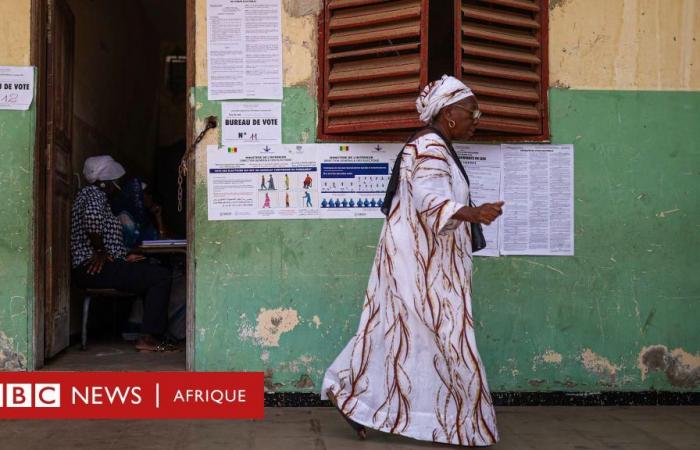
{"x": 413, "y": 367}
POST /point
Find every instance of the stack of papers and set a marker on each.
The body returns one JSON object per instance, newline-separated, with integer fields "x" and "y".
{"x": 160, "y": 243}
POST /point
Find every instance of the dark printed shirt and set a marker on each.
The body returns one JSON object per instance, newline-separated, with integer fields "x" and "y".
{"x": 92, "y": 214}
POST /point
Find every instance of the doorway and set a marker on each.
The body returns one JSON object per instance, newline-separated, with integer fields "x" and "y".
{"x": 113, "y": 80}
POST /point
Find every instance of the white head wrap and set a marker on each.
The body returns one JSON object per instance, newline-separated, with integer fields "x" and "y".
{"x": 438, "y": 94}
{"x": 102, "y": 168}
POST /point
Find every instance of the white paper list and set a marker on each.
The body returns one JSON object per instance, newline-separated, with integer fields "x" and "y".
{"x": 251, "y": 123}
{"x": 483, "y": 165}
{"x": 263, "y": 41}
{"x": 537, "y": 185}
{"x": 244, "y": 49}
{"x": 16, "y": 87}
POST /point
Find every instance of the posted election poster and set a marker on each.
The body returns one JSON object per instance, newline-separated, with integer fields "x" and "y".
{"x": 16, "y": 87}
{"x": 347, "y": 181}
{"x": 244, "y": 49}
{"x": 251, "y": 123}
{"x": 483, "y": 166}
{"x": 354, "y": 178}
{"x": 262, "y": 182}
{"x": 538, "y": 188}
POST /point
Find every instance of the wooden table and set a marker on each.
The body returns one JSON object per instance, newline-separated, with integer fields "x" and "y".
{"x": 156, "y": 248}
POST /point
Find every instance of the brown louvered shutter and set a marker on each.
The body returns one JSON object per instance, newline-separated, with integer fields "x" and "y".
{"x": 375, "y": 62}
{"x": 500, "y": 53}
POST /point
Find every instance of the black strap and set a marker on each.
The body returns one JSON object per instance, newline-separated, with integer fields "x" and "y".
{"x": 453, "y": 153}
{"x": 393, "y": 185}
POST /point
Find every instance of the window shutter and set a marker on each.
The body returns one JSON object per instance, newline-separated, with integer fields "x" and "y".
{"x": 375, "y": 63}
{"x": 501, "y": 54}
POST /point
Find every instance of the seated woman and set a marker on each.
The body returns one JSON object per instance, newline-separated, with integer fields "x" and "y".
{"x": 140, "y": 216}
{"x": 99, "y": 257}
{"x": 142, "y": 220}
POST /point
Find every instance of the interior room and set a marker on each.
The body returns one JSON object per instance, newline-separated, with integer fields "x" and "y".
{"x": 128, "y": 80}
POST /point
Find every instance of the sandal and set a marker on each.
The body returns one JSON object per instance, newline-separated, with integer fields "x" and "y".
{"x": 151, "y": 345}
{"x": 166, "y": 347}
{"x": 359, "y": 429}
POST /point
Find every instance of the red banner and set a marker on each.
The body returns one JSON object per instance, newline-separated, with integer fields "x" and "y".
{"x": 131, "y": 395}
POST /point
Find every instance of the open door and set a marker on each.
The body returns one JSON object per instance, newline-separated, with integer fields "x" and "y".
{"x": 59, "y": 113}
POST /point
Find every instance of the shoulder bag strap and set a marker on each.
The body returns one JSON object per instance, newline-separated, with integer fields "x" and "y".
{"x": 456, "y": 159}
{"x": 395, "y": 173}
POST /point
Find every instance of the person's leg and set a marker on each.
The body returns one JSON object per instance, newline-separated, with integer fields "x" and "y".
{"x": 150, "y": 281}
{"x": 108, "y": 278}
{"x": 153, "y": 282}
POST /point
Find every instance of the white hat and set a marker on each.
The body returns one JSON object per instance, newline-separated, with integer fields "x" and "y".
{"x": 102, "y": 168}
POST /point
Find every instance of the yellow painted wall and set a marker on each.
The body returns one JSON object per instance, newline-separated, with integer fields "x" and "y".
{"x": 594, "y": 44}
{"x": 15, "y": 32}
{"x": 625, "y": 44}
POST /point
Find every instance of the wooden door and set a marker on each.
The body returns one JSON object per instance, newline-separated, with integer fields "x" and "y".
{"x": 59, "y": 118}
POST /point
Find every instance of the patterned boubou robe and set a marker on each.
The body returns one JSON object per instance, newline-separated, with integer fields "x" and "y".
{"x": 413, "y": 367}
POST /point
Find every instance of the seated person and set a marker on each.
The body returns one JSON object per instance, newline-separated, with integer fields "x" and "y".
{"x": 100, "y": 260}
{"x": 141, "y": 219}
{"x": 140, "y": 216}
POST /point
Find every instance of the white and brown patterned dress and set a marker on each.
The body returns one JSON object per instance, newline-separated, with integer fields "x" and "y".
{"x": 413, "y": 367}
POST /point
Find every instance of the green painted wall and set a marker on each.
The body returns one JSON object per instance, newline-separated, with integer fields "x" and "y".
{"x": 596, "y": 321}
{"x": 16, "y": 271}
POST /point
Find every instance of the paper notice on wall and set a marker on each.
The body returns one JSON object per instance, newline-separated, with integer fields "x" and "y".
{"x": 262, "y": 182}
{"x": 354, "y": 178}
{"x": 538, "y": 188}
{"x": 244, "y": 49}
{"x": 250, "y": 123}
{"x": 483, "y": 165}
{"x": 16, "y": 87}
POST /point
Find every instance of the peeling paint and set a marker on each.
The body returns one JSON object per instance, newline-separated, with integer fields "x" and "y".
{"x": 299, "y": 50}
{"x": 551, "y": 356}
{"x": 246, "y": 331}
{"x": 667, "y": 213}
{"x": 10, "y": 359}
{"x": 298, "y": 8}
{"x": 302, "y": 364}
{"x": 272, "y": 323}
{"x": 568, "y": 383}
{"x": 599, "y": 365}
{"x": 317, "y": 321}
{"x": 554, "y": 4}
{"x": 682, "y": 369}
{"x": 269, "y": 384}
{"x": 305, "y": 381}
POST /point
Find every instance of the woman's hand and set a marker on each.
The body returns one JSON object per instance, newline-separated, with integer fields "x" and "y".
{"x": 96, "y": 262}
{"x": 134, "y": 257}
{"x": 488, "y": 212}
{"x": 157, "y": 213}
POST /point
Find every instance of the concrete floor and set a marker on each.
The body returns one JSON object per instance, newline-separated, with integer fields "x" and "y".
{"x": 115, "y": 355}
{"x": 521, "y": 428}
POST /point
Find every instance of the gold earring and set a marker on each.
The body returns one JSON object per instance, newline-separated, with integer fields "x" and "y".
{"x": 451, "y": 123}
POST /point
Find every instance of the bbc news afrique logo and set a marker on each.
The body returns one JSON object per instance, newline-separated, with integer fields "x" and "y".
{"x": 30, "y": 395}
